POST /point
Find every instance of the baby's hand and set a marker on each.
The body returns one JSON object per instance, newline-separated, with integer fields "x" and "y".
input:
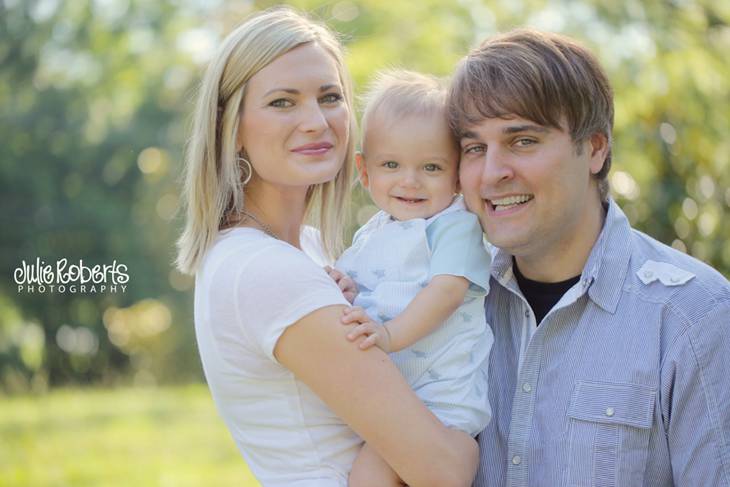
{"x": 375, "y": 333}
{"x": 346, "y": 284}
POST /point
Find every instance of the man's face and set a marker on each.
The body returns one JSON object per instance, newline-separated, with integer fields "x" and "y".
{"x": 530, "y": 185}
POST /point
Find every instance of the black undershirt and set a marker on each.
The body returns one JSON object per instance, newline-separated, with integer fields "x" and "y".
{"x": 542, "y": 296}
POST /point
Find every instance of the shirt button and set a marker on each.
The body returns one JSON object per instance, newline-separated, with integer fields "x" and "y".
{"x": 648, "y": 274}
{"x": 609, "y": 412}
{"x": 526, "y": 387}
{"x": 674, "y": 279}
{"x": 516, "y": 460}
{"x": 527, "y": 313}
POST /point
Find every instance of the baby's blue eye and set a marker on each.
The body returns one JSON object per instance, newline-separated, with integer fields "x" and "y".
{"x": 390, "y": 164}
{"x": 431, "y": 167}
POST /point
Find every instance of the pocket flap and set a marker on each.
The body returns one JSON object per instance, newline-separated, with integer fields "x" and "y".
{"x": 613, "y": 403}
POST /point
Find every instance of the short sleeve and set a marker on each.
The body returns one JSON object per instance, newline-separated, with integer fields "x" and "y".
{"x": 457, "y": 249}
{"x": 279, "y": 286}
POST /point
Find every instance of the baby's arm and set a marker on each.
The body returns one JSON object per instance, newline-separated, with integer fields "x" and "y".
{"x": 426, "y": 312}
{"x": 458, "y": 259}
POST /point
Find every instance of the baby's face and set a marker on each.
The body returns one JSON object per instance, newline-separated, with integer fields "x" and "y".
{"x": 410, "y": 165}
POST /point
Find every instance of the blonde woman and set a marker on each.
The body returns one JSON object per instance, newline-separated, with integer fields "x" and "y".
{"x": 270, "y": 148}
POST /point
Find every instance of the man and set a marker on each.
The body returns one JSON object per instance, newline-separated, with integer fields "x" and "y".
{"x": 611, "y": 362}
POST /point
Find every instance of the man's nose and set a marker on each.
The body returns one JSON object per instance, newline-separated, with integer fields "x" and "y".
{"x": 496, "y": 167}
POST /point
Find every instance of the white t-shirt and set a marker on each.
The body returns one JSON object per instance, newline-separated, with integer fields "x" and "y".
{"x": 249, "y": 289}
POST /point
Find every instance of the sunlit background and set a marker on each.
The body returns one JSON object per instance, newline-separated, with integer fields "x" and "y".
{"x": 95, "y": 101}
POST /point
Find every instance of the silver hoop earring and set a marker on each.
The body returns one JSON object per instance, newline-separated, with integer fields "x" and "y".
{"x": 249, "y": 169}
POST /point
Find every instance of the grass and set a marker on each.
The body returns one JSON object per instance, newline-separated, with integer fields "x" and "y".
{"x": 120, "y": 437}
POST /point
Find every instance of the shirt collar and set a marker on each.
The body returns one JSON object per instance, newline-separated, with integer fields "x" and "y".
{"x": 608, "y": 262}
{"x": 605, "y": 270}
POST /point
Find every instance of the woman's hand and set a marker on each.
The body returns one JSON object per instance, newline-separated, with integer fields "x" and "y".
{"x": 375, "y": 333}
{"x": 366, "y": 390}
{"x": 345, "y": 283}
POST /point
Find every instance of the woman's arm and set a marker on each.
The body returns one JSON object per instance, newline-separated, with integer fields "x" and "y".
{"x": 368, "y": 392}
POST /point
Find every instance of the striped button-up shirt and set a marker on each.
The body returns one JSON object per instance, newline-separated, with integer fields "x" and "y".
{"x": 626, "y": 382}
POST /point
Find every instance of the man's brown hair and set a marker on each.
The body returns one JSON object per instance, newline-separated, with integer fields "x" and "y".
{"x": 538, "y": 76}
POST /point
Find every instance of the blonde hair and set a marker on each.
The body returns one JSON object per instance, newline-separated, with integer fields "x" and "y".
{"x": 398, "y": 93}
{"x": 213, "y": 189}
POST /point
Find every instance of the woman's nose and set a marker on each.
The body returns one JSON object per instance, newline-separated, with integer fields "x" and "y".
{"x": 313, "y": 118}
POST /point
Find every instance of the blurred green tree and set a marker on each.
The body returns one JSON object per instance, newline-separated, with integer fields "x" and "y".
{"x": 92, "y": 95}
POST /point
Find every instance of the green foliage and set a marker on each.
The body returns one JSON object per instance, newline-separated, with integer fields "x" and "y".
{"x": 95, "y": 100}
{"x": 121, "y": 437}
{"x": 89, "y": 141}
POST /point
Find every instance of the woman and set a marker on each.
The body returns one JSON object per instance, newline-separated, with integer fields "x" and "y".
{"x": 270, "y": 144}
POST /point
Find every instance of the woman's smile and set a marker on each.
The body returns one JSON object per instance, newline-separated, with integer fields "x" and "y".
{"x": 313, "y": 149}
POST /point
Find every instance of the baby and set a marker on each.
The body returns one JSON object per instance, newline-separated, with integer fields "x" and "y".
{"x": 419, "y": 264}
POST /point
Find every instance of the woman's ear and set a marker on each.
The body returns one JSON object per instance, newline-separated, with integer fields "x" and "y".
{"x": 361, "y": 169}
{"x": 239, "y": 139}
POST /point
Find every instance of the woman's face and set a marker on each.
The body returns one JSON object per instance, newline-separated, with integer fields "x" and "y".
{"x": 295, "y": 121}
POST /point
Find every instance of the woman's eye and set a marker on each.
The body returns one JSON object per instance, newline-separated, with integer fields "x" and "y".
{"x": 431, "y": 167}
{"x": 390, "y": 164}
{"x": 281, "y": 103}
{"x": 331, "y": 98}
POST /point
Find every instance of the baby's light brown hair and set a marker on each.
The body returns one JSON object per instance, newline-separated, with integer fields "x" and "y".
{"x": 398, "y": 93}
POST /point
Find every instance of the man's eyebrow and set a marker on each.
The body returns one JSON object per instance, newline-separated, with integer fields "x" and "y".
{"x": 525, "y": 128}
{"x": 514, "y": 129}
{"x": 293, "y": 91}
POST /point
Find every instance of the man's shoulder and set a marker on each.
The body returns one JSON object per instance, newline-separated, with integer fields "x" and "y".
{"x": 663, "y": 274}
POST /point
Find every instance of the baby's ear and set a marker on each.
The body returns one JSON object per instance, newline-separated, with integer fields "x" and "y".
{"x": 361, "y": 169}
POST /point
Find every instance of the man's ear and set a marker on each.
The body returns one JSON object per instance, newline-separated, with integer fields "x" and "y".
{"x": 362, "y": 169}
{"x": 598, "y": 147}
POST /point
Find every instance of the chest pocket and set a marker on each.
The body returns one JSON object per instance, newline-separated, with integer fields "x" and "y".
{"x": 609, "y": 428}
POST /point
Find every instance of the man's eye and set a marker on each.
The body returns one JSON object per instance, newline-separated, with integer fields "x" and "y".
{"x": 281, "y": 103}
{"x": 525, "y": 142}
{"x": 390, "y": 164}
{"x": 331, "y": 98}
{"x": 473, "y": 149}
{"x": 431, "y": 167}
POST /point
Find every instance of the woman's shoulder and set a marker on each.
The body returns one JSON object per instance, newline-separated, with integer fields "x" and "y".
{"x": 250, "y": 252}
